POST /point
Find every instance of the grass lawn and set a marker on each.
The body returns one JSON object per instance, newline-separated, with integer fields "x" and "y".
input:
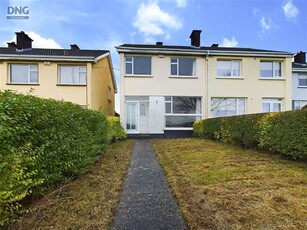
{"x": 86, "y": 203}
{"x": 220, "y": 186}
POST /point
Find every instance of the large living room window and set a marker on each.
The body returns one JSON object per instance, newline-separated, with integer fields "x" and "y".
{"x": 72, "y": 75}
{"x": 270, "y": 69}
{"x": 23, "y": 74}
{"x": 183, "y": 66}
{"x": 138, "y": 65}
{"x": 181, "y": 112}
{"x": 222, "y": 107}
{"x": 228, "y": 68}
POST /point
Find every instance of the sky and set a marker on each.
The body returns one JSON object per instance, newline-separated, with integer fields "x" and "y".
{"x": 103, "y": 24}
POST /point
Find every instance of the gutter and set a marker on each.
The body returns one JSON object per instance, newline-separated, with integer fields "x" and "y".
{"x": 46, "y": 58}
{"x": 202, "y": 52}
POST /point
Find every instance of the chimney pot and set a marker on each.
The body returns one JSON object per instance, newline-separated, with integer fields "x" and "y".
{"x": 74, "y": 47}
{"x": 159, "y": 43}
{"x": 23, "y": 41}
{"x": 300, "y": 57}
{"x": 195, "y": 38}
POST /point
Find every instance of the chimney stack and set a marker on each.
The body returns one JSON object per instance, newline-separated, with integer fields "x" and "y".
{"x": 23, "y": 41}
{"x": 74, "y": 47}
{"x": 11, "y": 45}
{"x": 300, "y": 57}
{"x": 195, "y": 38}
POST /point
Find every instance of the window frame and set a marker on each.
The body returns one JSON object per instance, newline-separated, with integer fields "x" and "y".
{"x": 172, "y": 114}
{"x": 237, "y": 113}
{"x": 132, "y": 62}
{"x": 177, "y": 63}
{"x": 298, "y": 80}
{"x": 29, "y": 70}
{"x": 273, "y": 69}
{"x": 71, "y": 83}
{"x": 272, "y": 101}
{"x": 231, "y": 68}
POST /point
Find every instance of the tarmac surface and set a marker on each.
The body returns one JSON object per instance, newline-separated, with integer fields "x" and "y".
{"x": 146, "y": 200}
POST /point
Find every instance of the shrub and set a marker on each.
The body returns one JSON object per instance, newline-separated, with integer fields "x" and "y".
{"x": 43, "y": 144}
{"x": 283, "y": 132}
{"x": 115, "y": 131}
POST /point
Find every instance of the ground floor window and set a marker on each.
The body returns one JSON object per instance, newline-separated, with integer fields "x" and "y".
{"x": 271, "y": 105}
{"x": 222, "y": 107}
{"x": 181, "y": 112}
{"x": 298, "y": 104}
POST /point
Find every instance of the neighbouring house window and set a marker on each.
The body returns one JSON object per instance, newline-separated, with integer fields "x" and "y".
{"x": 24, "y": 74}
{"x": 138, "y": 65}
{"x": 228, "y": 68}
{"x": 298, "y": 104}
{"x": 271, "y": 105}
{"x": 181, "y": 112}
{"x": 183, "y": 66}
{"x": 270, "y": 69}
{"x": 302, "y": 80}
{"x": 72, "y": 75}
{"x": 221, "y": 107}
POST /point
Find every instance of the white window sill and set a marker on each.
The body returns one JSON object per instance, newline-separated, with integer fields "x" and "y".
{"x": 21, "y": 83}
{"x": 302, "y": 86}
{"x": 61, "y": 84}
{"x": 273, "y": 78}
{"x": 183, "y": 77}
{"x": 231, "y": 78}
{"x": 138, "y": 76}
{"x": 177, "y": 128}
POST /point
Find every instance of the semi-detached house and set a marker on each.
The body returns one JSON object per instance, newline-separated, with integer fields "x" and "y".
{"x": 165, "y": 88}
{"x": 84, "y": 77}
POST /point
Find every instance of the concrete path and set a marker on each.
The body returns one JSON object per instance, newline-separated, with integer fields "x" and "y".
{"x": 146, "y": 200}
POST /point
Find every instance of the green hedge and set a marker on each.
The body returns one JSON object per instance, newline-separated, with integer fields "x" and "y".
{"x": 116, "y": 131}
{"x": 43, "y": 144}
{"x": 284, "y": 132}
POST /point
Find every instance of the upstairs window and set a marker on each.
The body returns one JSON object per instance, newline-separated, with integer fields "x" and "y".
{"x": 228, "y": 68}
{"x": 302, "y": 80}
{"x": 270, "y": 69}
{"x": 23, "y": 74}
{"x": 183, "y": 66}
{"x": 138, "y": 65}
{"x": 75, "y": 75}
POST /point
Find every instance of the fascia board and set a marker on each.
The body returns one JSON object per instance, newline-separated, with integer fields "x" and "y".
{"x": 45, "y": 58}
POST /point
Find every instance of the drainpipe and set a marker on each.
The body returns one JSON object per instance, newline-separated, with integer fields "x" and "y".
{"x": 207, "y": 91}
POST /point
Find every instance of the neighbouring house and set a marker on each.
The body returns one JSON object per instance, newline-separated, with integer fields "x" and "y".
{"x": 165, "y": 88}
{"x": 84, "y": 77}
{"x": 299, "y": 81}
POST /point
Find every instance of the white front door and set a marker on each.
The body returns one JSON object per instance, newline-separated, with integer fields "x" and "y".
{"x": 132, "y": 117}
{"x": 143, "y": 117}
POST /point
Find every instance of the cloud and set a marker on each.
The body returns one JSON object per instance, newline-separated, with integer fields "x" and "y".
{"x": 267, "y": 25}
{"x": 230, "y": 43}
{"x": 181, "y": 3}
{"x": 290, "y": 10}
{"x": 40, "y": 42}
{"x": 151, "y": 21}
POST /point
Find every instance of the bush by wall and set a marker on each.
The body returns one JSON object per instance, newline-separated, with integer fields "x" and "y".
{"x": 116, "y": 131}
{"x": 44, "y": 143}
{"x": 284, "y": 132}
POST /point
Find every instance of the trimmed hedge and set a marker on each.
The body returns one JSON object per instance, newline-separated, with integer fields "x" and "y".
{"x": 116, "y": 131}
{"x": 283, "y": 132}
{"x": 43, "y": 144}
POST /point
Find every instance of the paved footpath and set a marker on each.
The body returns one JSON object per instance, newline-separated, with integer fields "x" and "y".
{"x": 146, "y": 200}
